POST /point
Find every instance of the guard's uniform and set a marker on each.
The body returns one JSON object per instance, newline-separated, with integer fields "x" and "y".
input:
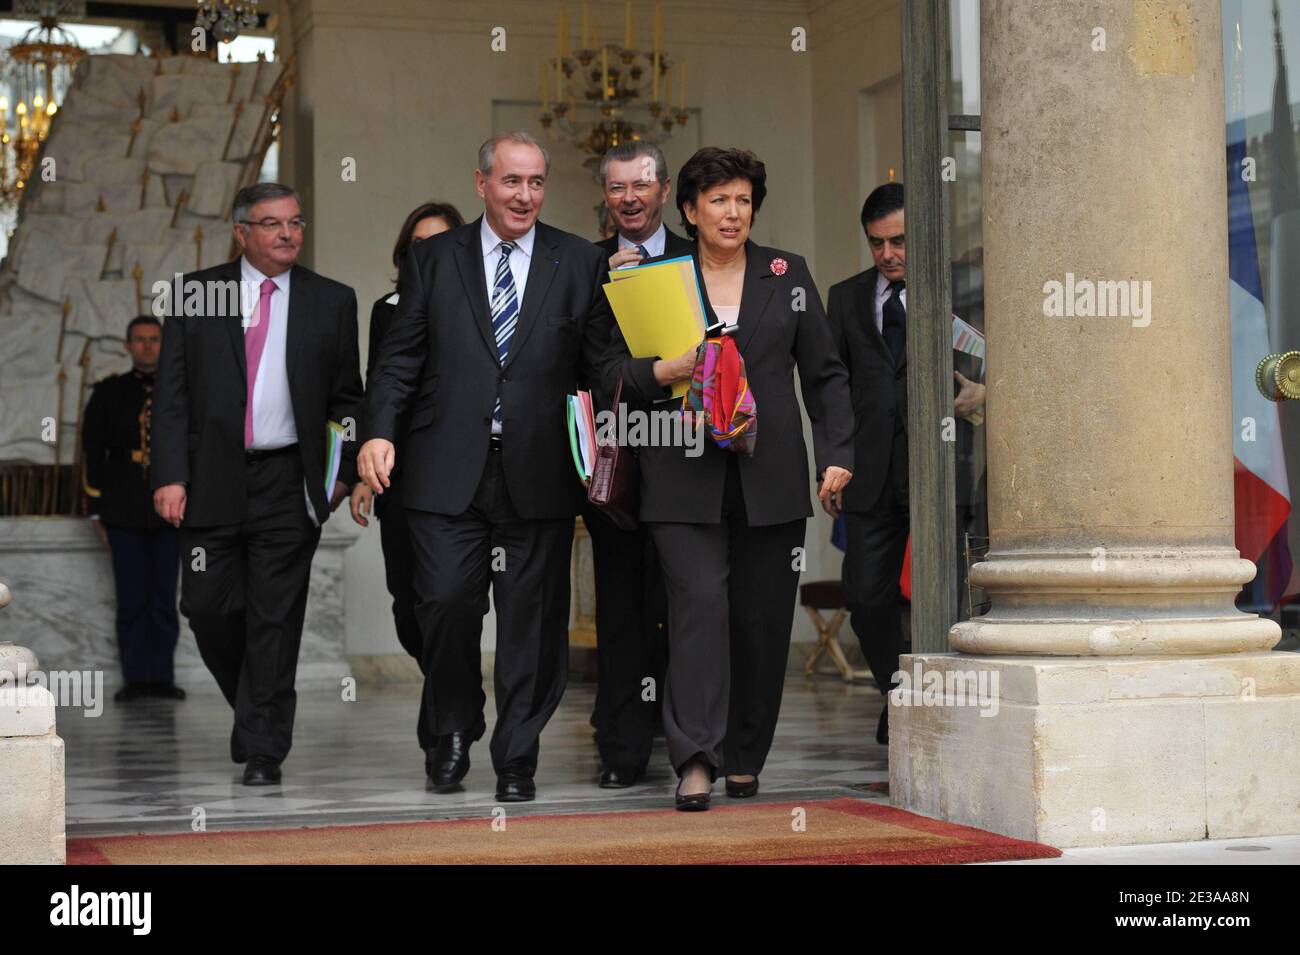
{"x": 115, "y": 439}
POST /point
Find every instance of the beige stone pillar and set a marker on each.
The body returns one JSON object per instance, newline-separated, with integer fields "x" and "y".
{"x": 1125, "y": 698}
{"x": 1110, "y": 437}
{"x": 31, "y": 763}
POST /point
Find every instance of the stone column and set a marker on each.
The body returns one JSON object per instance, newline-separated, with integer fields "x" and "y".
{"x": 1128, "y": 700}
{"x": 31, "y": 763}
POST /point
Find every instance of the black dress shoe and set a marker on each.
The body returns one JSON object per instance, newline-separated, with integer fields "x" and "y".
{"x": 512, "y": 787}
{"x": 261, "y": 771}
{"x": 166, "y": 691}
{"x": 450, "y": 761}
{"x": 738, "y": 790}
{"x": 132, "y": 691}
{"x": 692, "y": 802}
{"x": 618, "y": 778}
{"x": 882, "y": 728}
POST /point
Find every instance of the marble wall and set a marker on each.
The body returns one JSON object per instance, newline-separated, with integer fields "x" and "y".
{"x": 63, "y": 606}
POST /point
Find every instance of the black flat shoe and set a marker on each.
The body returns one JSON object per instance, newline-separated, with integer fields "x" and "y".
{"x": 261, "y": 771}
{"x": 166, "y": 691}
{"x": 618, "y": 779}
{"x": 450, "y": 762}
{"x": 742, "y": 790}
{"x": 882, "y": 728}
{"x": 513, "y": 788}
{"x": 692, "y": 802}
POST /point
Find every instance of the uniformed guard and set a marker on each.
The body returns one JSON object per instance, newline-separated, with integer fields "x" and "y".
{"x": 145, "y": 549}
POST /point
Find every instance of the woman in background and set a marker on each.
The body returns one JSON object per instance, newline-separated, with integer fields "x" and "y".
{"x": 424, "y": 221}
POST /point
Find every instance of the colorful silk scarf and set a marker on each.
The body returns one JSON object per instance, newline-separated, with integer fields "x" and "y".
{"x": 720, "y": 398}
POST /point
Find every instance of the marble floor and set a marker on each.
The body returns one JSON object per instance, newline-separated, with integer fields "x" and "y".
{"x": 156, "y": 766}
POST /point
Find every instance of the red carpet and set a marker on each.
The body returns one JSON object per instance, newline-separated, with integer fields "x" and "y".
{"x": 837, "y": 831}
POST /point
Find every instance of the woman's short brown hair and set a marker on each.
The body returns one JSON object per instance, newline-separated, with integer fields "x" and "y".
{"x": 712, "y": 166}
{"x": 429, "y": 210}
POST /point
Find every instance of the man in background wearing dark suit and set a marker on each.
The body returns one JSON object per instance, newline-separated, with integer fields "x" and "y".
{"x": 868, "y": 314}
{"x": 241, "y": 408}
{"x": 631, "y": 606}
{"x": 497, "y": 322}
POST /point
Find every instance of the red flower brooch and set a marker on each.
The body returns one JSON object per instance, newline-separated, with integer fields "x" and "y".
{"x": 779, "y": 266}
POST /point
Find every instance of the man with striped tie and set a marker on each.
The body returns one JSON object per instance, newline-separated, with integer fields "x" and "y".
{"x": 497, "y": 322}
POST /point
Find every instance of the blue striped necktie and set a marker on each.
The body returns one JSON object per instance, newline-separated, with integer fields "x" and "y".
{"x": 505, "y": 310}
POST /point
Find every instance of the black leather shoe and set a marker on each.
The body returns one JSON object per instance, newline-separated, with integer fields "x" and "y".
{"x": 738, "y": 790}
{"x": 261, "y": 771}
{"x": 450, "y": 762}
{"x": 166, "y": 691}
{"x": 132, "y": 691}
{"x": 512, "y": 787}
{"x": 882, "y": 728}
{"x": 692, "y": 802}
{"x": 618, "y": 778}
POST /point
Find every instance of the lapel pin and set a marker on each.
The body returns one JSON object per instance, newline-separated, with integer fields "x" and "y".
{"x": 779, "y": 266}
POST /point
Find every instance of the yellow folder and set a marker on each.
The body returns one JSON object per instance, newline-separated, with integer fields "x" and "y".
{"x": 659, "y": 310}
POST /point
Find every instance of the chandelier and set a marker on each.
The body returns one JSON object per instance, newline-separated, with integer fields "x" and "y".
{"x": 617, "y": 79}
{"x": 225, "y": 20}
{"x": 39, "y": 69}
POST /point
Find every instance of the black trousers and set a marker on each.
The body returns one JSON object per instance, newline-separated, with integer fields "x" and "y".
{"x": 631, "y": 643}
{"x": 244, "y": 590}
{"x": 876, "y": 541}
{"x": 731, "y": 601}
{"x": 145, "y": 568}
{"x": 527, "y": 565}
{"x": 399, "y": 568}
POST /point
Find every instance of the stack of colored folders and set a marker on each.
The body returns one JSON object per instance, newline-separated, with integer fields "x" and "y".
{"x": 582, "y": 433}
{"x": 659, "y": 309}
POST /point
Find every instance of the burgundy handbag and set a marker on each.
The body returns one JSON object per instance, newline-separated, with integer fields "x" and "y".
{"x": 615, "y": 479}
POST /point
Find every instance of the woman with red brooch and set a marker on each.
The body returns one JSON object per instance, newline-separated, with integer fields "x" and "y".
{"x": 729, "y": 523}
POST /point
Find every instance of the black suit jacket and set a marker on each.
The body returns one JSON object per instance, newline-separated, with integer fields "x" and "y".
{"x": 439, "y": 359}
{"x": 197, "y": 435}
{"x": 774, "y": 339}
{"x": 381, "y": 319}
{"x": 878, "y": 386}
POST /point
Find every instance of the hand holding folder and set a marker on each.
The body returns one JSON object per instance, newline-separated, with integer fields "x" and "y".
{"x": 659, "y": 309}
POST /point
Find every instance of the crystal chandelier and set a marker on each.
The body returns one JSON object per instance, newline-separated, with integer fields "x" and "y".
{"x": 39, "y": 69}
{"x": 615, "y": 78}
{"x": 225, "y": 20}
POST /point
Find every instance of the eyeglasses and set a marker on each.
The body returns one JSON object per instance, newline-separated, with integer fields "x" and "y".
{"x": 270, "y": 226}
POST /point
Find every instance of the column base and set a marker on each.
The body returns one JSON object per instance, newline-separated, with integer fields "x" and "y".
{"x": 1100, "y": 751}
{"x": 31, "y": 779}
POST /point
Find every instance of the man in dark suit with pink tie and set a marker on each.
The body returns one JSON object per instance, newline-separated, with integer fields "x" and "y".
{"x": 240, "y": 413}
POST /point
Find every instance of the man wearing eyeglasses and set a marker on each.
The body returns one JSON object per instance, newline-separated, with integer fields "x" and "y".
{"x": 242, "y": 405}
{"x": 496, "y": 323}
{"x": 631, "y": 606}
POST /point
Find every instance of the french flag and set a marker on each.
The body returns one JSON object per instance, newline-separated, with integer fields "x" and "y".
{"x": 1261, "y": 491}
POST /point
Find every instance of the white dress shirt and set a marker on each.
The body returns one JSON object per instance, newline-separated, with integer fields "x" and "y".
{"x": 273, "y": 424}
{"x": 519, "y": 260}
{"x": 882, "y": 295}
{"x": 654, "y": 245}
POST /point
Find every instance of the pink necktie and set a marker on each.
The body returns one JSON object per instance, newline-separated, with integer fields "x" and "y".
{"x": 254, "y": 344}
